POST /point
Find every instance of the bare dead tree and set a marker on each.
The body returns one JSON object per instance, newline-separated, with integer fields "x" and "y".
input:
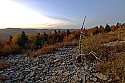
{"x": 83, "y": 22}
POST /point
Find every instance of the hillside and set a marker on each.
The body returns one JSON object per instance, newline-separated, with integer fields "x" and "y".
{"x": 5, "y": 33}
{"x": 53, "y": 57}
{"x": 110, "y": 47}
{"x": 62, "y": 66}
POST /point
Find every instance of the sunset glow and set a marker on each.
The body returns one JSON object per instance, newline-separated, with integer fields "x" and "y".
{"x": 13, "y": 14}
{"x": 60, "y": 13}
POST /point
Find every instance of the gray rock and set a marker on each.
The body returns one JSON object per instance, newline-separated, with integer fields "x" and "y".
{"x": 102, "y": 77}
{"x": 94, "y": 79}
{"x": 1, "y": 72}
{"x": 8, "y": 81}
{"x": 56, "y": 67}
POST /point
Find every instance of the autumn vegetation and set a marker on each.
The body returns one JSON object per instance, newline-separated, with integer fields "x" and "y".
{"x": 110, "y": 47}
{"x": 22, "y": 43}
{"x": 36, "y": 44}
{"x": 107, "y": 41}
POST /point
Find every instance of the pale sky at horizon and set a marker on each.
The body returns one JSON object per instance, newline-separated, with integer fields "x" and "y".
{"x": 60, "y": 13}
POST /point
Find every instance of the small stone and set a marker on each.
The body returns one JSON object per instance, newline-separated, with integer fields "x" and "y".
{"x": 27, "y": 70}
{"x": 102, "y": 77}
{"x": 8, "y": 81}
{"x": 80, "y": 80}
{"x": 94, "y": 79}
{"x": 33, "y": 68}
{"x": 66, "y": 73}
{"x": 75, "y": 77}
{"x": 1, "y": 72}
{"x": 31, "y": 74}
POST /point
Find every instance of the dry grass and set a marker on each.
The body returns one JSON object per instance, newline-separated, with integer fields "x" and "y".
{"x": 106, "y": 43}
{"x": 44, "y": 50}
{"x": 51, "y": 48}
{"x": 114, "y": 67}
{"x": 111, "y": 47}
{"x": 10, "y": 49}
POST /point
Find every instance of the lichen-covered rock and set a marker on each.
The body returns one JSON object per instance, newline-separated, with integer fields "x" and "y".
{"x": 59, "y": 67}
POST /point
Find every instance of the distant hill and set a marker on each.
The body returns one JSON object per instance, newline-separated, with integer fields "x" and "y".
{"x": 5, "y": 33}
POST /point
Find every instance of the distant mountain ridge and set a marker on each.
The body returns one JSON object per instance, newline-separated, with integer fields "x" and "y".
{"x": 5, "y": 33}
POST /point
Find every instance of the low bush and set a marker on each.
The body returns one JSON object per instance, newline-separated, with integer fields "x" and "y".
{"x": 50, "y": 48}
{"x": 111, "y": 48}
{"x": 44, "y": 50}
{"x": 114, "y": 67}
{"x": 10, "y": 49}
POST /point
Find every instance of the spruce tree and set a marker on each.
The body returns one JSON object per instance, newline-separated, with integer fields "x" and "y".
{"x": 38, "y": 40}
{"x": 55, "y": 32}
{"x": 59, "y": 32}
{"x": 68, "y": 32}
{"x": 118, "y": 24}
{"x": 22, "y": 39}
{"x": 101, "y": 26}
{"x": 44, "y": 39}
{"x": 107, "y": 28}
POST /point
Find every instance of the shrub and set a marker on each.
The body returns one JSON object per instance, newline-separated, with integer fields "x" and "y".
{"x": 107, "y": 28}
{"x": 44, "y": 50}
{"x": 22, "y": 39}
{"x": 114, "y": 67}
{"x": 10, "y": 49}
{"x": 50, "y": 48}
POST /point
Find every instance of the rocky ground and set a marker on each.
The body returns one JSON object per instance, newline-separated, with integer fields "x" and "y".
{"x": 59, "y": 67}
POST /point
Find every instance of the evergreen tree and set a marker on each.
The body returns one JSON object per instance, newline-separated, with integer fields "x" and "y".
{"x": 107, "y": 28}
{"x": 38, "y": 40}
{"x": 59, "y": 32}
{"x": 101, "y": 26}
{"x": 44, "y": 39}
{"x": 118, "y": 24}
{"x": 68, "y": 32}
{"x": 96, "y": 27}
{"x": 22, "y": 39}
{"x": 55, "y": 32}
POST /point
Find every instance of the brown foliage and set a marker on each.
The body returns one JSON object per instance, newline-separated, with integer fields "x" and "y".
{"x": 50, "y": 48}
{"x": 10, "y": 49}
{"x": 69, "y": 38}
{"x": 114, "y": 67}
{"x": 111, "y": 48}
{"x": 44, "y": 50}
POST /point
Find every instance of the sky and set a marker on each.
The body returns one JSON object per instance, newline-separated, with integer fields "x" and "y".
{"x": 60, "y": 13}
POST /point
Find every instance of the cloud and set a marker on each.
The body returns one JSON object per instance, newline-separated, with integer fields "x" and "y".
{"x": 54, "y": 26}
{"x": 61, "y": 18}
